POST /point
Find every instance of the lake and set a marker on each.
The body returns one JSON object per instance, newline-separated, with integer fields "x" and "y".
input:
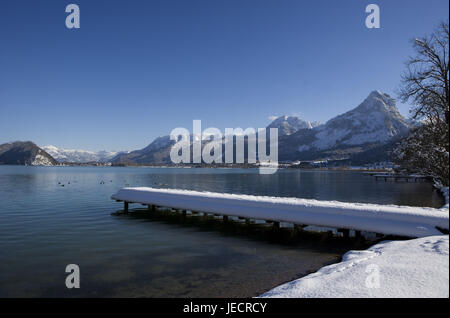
{"x": 54, "y": 216}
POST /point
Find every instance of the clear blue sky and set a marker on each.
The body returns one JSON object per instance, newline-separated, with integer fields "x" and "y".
{"x": 137, "y": 69}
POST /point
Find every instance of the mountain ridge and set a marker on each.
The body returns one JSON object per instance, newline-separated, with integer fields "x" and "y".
{"x": 80, "y": 156}
{"x": 372, "y": 124}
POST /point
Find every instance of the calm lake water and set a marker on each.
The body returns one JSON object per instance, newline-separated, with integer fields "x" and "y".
{"x": 44, "y": 226}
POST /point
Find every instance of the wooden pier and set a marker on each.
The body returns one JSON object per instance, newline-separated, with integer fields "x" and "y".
{"x": 384, "y": 219}
{"x": 401, "y": 177}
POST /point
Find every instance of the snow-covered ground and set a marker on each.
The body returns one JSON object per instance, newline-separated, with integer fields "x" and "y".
{"x": 413, "y": 268}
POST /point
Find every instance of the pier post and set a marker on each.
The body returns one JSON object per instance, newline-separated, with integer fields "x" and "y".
{"x": 276, "y": 225}
{"x": 345, "y": 232}
{"x": 125, "y": 206}
{"x": 299, "y": 227}
{"x": 225, "y": 218}
{"x": 183, "y": 212}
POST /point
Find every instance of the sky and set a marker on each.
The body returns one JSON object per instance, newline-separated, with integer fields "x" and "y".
{"x": 136, "y": 69}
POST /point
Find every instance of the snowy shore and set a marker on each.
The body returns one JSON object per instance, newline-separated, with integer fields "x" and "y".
{"x": 396, "y": 269}
{"x": 414, "y": 268}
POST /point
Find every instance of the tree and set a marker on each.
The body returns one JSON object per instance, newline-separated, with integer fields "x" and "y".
{"x": 425, "y": 83}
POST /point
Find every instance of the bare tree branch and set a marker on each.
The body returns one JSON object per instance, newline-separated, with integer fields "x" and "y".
{"x": 425, "y": 83}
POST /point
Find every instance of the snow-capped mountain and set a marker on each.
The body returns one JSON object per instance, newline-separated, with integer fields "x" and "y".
{"x": 365, "y": 133}
{"x": 157, "y": 151}
{"x": 79, "y": 156}
{"x": 287, "y": 125}
{"x": 375, "y": 121}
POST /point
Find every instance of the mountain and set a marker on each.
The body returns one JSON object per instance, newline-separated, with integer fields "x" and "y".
{"x": 156, "y": 152}
{"x": 25, "y": 153}
{"x": 364, "y": 134}
{"x": 159, "y": 150}
{"x": 287, "y": 125}
{"x": 376, "y": 121}
{"x": 79, "y": 156}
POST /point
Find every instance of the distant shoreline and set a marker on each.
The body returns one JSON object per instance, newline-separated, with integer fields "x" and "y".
{"x": 207, "y": 166}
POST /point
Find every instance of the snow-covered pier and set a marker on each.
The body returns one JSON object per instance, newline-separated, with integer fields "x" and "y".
{"x": 384, "y": 219}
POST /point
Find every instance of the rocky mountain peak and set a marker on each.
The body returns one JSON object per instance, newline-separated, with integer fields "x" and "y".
{"x": 378, "y": 101}
{"x": 287, "y": 125}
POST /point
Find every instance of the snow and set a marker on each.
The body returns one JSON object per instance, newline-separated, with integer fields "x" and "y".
{"x": 375, "y": 120}
{"x": 41, "y": 160}
{"x": 287, "y": 125}
{"x": 385, "y": 219}
{"x": 329, "y": 137}
{"x": 82, "y": 156}
{"x": 414, "y": 268}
